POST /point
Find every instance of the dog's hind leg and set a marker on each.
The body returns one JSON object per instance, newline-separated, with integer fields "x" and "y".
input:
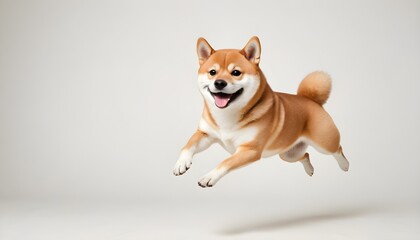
{"x": 341, "y": 159}
{"x": 309, "y": 169}
{"x": 323, "y": 135}
{"x": 298, "y": 154}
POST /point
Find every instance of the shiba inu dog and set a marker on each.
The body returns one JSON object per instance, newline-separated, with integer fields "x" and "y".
{"x": 251, "y": 121}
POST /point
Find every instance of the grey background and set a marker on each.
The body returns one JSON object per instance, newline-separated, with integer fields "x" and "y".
{"x": 98, "y": 97}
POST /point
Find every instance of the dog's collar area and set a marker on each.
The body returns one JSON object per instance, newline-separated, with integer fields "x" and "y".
{"x": 222, "y": 100}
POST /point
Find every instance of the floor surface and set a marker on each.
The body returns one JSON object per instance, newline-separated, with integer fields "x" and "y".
{"x": 168, "y": 220}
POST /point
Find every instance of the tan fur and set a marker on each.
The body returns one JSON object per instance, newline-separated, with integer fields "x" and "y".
{"x": 195, "y": 138}
{"x": 316, "y": 86}
{"x": 284, "y": 123}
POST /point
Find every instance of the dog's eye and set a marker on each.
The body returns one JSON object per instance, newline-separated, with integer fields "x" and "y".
{"x": 212, "y": 72}
{"x": 236, "y": 73}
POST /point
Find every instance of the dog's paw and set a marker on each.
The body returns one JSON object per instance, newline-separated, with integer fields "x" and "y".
{"x": 211, "y": 178}
{"x": 182, "y": 165}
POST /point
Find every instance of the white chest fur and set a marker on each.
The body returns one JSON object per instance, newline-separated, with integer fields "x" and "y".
{"x": 229, "y": 138}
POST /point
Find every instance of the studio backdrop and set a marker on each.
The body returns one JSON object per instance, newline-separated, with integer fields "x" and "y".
{"x": 98, "y": 97}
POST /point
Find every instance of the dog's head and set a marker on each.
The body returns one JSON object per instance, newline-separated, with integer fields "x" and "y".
{"x": 229, "y": 78}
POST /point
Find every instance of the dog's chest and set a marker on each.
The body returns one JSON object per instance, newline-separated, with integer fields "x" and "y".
{"x": 230, "y": 138}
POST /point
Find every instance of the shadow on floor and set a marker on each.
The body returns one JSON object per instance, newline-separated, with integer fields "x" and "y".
{"x": 259, "y": 224}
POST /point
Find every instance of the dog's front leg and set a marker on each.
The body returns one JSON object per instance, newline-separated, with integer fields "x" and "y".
{"x": 198, "y": 142}
{"x": 245, "y": 154}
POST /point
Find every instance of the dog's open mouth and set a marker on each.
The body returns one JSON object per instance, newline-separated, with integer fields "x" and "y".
{"x": 222, "y": 100}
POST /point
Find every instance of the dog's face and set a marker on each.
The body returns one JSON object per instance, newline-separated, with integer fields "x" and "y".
{"x": 228, "y": 78}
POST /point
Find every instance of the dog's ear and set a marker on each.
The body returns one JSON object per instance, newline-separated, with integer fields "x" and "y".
{"x": 252, "y": 50}
{"x": 204, "y": 50}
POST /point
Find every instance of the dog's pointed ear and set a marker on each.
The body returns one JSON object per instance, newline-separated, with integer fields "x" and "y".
{"x": 204, "y": 50}
{"x": 252, "y": 50}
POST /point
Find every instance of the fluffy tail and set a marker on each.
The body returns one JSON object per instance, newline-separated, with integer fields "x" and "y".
{"x": 316, "y": 86}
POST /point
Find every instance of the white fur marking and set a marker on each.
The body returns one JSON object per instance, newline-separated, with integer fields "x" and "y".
{"x": 184, "y": 162}
{"x": 229, "y": 117}
{"x": 309, "y": 169}
{"x": 215, "y": 67}
{"x": 229, "y": 139}
{"x": 231, "y": 67}
{"x": 211, "y": 178}
{"x": 342, "y": 161}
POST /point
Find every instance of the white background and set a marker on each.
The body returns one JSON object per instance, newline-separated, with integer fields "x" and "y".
{"x": 98, "y": 97}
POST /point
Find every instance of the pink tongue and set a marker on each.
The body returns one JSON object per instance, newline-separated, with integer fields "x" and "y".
{"x": 221, "y": 102}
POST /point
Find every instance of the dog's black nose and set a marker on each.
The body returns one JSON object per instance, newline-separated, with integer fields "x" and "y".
{"x": 220, "y": 84}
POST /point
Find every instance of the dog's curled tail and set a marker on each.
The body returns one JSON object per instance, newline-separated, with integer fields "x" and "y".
{"x": 316, "y": 86}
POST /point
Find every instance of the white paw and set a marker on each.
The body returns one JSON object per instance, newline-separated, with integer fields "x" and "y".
{"x": 345, "y": 166}
{"x": 342, "y": 162}
{"x": 211, "y": 178}
{"x": 309, "y": 169}
{"x": 182, "y": 165}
